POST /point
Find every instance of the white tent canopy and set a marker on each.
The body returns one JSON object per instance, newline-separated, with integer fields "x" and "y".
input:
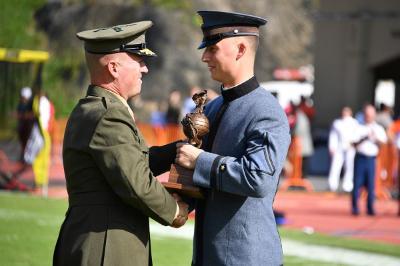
{"x": 288, "y": 90}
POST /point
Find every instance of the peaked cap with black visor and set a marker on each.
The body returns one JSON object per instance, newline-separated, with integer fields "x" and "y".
{"x": 129, "y": 38}
{"x": 218, "y": 25}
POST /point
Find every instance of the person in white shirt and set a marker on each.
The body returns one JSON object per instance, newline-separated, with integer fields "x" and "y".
{"x": 368, "y": 138}
{"x": 341, "y": 150}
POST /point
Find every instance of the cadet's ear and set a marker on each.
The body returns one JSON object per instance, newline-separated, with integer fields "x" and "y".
{"x": 241, "y": 50}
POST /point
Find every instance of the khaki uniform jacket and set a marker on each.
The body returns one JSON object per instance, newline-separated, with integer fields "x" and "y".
{"x": 111, "y": 189}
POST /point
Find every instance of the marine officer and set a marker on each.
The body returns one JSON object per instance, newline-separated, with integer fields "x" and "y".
{"x": 109, "y": 170}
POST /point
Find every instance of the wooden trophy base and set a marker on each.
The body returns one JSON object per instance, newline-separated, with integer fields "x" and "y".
{"x": 180, "y": 180}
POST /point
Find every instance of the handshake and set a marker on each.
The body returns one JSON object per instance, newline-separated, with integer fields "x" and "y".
{"x": 182, "y": 212}
{"x": 186, "y": 156}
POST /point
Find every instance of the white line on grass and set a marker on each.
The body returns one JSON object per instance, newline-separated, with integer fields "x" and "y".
{"x": 297, "y": 249}
{"x": 185, "y": 231}
{"x": 336, "y": 255}
{"x": 33, "y": 217}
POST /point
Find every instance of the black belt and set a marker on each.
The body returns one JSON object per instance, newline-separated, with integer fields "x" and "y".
{"x": 94, "y": 198}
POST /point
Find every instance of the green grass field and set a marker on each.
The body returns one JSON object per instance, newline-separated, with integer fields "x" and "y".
{"x": 29, "y": 227}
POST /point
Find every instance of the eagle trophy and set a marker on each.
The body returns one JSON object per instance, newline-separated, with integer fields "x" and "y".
{"x": 195, "y": 124}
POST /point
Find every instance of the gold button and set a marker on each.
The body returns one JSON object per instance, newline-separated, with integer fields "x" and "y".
{"x": 222, "y": 167}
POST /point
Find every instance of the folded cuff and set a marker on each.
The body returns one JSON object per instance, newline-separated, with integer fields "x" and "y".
{"x": 205, "y": 170}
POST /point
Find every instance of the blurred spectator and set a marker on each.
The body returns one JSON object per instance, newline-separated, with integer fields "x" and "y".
{"x": 367, "y": 137}
{"x": 359, "y": 116}
{"x": 341, "y": 150}
{"x": 173, "y": 115}
{"x": 290, "y": 112}
{"x": 384, "y": 116}
{"x": 142, "y": 109}
{"x": 394, "y": 134}
{"x": 306, "y": 105}
{"x": 158, "y": 117}
{"x": 302, "y": 130}
{"x": 39, "y": 143}
{"x": 25, "y": 118}
{"x": 188, "y": 104}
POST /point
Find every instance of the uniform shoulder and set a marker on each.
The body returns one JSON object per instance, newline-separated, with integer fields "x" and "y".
{"x": 105, "y": 105}
{"x": 260, "y": 105}
{"x": 264, "y": 100}
{"x": 89, "y": 108}
{"x": 83, "y": 121}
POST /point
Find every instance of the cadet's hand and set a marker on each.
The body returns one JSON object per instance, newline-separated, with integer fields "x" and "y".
{"x": 186, "y": 155}
{"x": 182, "y": 213}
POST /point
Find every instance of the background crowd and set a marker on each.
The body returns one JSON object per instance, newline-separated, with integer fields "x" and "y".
{"x": 35, "y": 114}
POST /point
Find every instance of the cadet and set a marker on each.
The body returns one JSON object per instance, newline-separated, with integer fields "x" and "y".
{"x": 244, "y": 151}
{"x": 108, "y": 167}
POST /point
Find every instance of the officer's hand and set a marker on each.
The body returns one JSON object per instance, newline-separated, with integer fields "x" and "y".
{"x": 182, "y": 212}
{"x": 186, "y": 155}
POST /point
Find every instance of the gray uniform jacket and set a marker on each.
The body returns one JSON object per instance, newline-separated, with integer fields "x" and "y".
{"x": 235, "y": 224}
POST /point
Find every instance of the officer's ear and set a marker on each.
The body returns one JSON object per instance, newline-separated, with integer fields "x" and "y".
{"x": 112, "y": 67}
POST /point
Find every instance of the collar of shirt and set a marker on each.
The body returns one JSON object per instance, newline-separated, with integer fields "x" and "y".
{"x": 230, "y": 94}
{"x": 124, "y": 102}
